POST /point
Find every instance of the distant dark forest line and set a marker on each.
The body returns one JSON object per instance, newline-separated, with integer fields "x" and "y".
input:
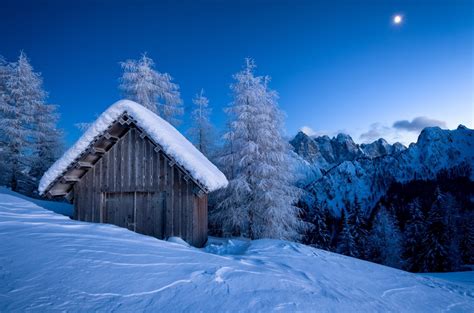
{"x": 419, "y": 226}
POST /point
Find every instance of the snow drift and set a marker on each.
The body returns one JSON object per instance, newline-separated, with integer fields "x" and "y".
{"x": 49, "y": 262}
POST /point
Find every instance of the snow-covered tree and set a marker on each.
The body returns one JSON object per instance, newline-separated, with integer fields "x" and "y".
{"x": 140, "y": 82}
{"x": 451, "y": 210}
{"x": 4, "y": 74}
{"x": 232, "y": 211}
{"x": 29, "y": 138}
{"x": 467, "y": 238}
{"x": 440, "y": 244}
{"x": 320, "y": 236}
{"x": 201, "y": 132}
{"x": 384, "y": 242}
{"x": 82, "y": 126}
{"x": 259, "y": 201}
{"x": 353, "y": 236}
{"x": 413, "y": 237}
{"x": 23, "y": 94}
{"x": 170, "y": 103}
{"x": 357, "y": 228}
{"x": 435, "y": 255}
{"x": 346, "y": 244}
{"x": 222, "y": 215}
{"x": 48, "y": 139}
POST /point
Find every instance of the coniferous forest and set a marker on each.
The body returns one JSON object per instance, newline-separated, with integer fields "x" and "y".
{"x": 419, "y": 226}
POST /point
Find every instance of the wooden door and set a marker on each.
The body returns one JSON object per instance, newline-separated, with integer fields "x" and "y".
{"x": 119, "y": 209}
{"x": 150, "y": 213}
{"x": 143, "y": 212}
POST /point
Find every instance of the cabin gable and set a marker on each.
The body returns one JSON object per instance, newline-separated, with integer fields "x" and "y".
{"x": 126, "y": 179}
{"x": 62, "y": 185}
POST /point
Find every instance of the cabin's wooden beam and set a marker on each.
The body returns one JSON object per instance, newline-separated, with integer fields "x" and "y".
{"x": 70, "y": 195}
{"x": 200, "y": 193}
{"x": 56, "y": 193}
{"x": 69, "y": 179}
{"x": 98, "y": 151}
{"x": 111, "y": 137}
{"x": 83, "y": 165}
{"x": 124, "y": 120}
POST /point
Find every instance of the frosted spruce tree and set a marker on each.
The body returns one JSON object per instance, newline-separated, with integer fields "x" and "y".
{"x": 357, "y": 227}
{"x": 467, "y": 239}
{"x": 82, "y": 126}
{"x": 48, "y": 140}
{"x": 259, "y": 201}
{"x": 384, "y": 242}
{"x": 201, "y": 132}
{"x": 352, "y": 239}
{"x": 140, "y": 82}
{"x": 4, "y": 74}
{"x": 415, "y": 230}
{"x": 30, "y": 141}
{"x": 346, "y": 244}
{"x": 20, "y": 109}
{"x": 440, "y": 245}
{"x": 320, "y": 236}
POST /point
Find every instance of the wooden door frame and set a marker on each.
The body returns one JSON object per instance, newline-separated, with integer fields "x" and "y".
{"x": 162, "y": 207}
{"x": 104, "y": 209}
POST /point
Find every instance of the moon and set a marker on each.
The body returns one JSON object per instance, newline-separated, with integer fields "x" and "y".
{"x": 397, "y": 19}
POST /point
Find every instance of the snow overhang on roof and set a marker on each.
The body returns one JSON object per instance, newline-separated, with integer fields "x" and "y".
{"x": 173, "y": 143}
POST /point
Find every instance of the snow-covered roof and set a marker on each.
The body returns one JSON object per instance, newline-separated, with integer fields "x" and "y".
{"x": 173, "y": 143}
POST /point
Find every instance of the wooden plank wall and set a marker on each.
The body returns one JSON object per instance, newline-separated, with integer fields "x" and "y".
{"x": 164, "y": 199}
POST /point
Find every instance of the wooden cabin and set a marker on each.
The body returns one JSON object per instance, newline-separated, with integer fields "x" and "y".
{"x": 134, "y": 170}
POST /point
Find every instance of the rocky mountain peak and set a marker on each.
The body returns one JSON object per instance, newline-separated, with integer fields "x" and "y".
{"x": 368, "y": 178}
{"x": 325, "y": 152}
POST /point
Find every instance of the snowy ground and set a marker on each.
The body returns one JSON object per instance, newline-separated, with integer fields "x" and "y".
{"x": 63, "y": 208}
{"x": 50, "y": 263}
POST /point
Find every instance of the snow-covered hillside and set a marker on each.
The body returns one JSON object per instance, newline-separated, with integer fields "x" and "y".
{"x": 51, "y": 263}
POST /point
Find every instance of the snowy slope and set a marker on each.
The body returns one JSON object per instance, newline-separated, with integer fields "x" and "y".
{"x": 51, "y": 263}
{"x": 60, "y": 207}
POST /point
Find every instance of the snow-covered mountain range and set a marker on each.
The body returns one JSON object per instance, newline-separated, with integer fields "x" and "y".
{"x": 327, "y": 152}
{"x": 346, "y": 172}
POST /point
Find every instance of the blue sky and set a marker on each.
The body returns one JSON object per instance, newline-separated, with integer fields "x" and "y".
{"x": 337, "y": 65}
